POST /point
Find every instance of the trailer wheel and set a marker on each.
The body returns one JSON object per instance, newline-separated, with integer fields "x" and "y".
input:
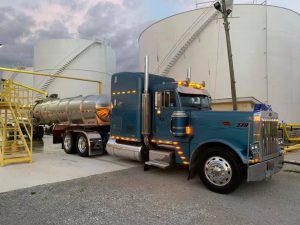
{"x": 82, "y": 145}
{"x": 68, "y": 143}
{"x": 220, "y": 170}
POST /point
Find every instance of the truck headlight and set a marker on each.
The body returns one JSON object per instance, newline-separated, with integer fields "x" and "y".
{"x": 280, "y": 141}
{"x": 254, "y": 153}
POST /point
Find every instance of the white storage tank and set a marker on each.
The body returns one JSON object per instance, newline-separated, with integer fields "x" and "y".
{"x": 78, "y": 58}
{"x": 266, "y": 53}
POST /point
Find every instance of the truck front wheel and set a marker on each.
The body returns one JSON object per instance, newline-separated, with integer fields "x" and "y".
{"x": 82, "y": 145}
{"x": 220, "y": 170}
{"x": 68, "y": 143}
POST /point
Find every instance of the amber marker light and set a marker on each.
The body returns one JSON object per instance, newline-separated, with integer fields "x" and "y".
{"x": 253, "y": 161}
{"x": 256, "y": 118}
{"x": 188, "y": 130}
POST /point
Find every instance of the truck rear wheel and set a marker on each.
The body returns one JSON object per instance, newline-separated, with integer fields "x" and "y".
{"x": 68, "y": 143}
{"x": 82, "y": 145}
{"x": 220, "y": 170}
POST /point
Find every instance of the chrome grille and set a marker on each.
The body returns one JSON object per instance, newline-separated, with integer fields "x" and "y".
{"x": 269, "y": 143}
{"x": 265, "y": 132}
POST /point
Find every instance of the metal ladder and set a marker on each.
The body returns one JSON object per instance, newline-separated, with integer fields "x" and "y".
{"x": 187, "y": 39}
{"x": 69, "y": 60}
{"x": 15, "y": 122}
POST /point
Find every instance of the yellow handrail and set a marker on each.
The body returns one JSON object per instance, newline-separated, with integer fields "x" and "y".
{"x": 56, "y": 76}
{"x": 30, "y": 88}
{"x": 284, "y": 126}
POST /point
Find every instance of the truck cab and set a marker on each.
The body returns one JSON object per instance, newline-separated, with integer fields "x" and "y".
{"x": 162, "y": 122}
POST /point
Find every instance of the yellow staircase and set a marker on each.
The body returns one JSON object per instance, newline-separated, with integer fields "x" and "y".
{"x": 16, "y": 130}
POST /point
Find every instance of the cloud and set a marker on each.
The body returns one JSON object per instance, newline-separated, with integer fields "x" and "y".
{"x": 24, "y": 23}
{"x": 16, "y": 51}
{"x": 28, "y": 22}
{"x": 118, "y": 24}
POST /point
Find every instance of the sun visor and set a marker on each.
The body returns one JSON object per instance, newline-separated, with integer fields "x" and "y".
{"x": 192, "y": 91}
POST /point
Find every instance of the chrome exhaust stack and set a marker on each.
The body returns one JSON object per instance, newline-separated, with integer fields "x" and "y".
{"x": 146, "y": 110}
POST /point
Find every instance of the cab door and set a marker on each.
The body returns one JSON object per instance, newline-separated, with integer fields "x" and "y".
{"x": 164, "y": 106}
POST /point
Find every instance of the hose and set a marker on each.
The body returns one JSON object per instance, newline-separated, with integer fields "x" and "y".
{"x": 292, "y": 163}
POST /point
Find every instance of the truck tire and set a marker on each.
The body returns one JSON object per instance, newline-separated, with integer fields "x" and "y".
{"x": 220, "y": 170}
{"x": 68, "y": 143}
{"x": 82, "y": 145}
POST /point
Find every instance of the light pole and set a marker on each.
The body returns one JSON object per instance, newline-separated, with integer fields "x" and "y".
{"x": 226, "y": 12}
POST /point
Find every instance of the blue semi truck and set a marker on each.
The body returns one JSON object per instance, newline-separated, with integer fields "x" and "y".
{"x": 161, "y": 122}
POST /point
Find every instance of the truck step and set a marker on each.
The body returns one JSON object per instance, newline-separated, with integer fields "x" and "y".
{"x": 158, "y": 164}
{"x": 161, "y": 158}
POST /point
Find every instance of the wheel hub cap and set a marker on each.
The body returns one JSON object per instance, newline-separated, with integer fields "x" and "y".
{"x": 218, "y": 171}
{"x": 82, "y": 144}
{"x": 67, "y": 142}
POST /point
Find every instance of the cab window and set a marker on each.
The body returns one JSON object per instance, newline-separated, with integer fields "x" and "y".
{"x": 165, "y": 99}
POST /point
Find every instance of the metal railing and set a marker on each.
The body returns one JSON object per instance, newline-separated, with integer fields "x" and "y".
{"x": 291, "y": 132}
{"x": 16, "y": 129}
{"x": 185, "y": 40}
{"x": 62, "y": 67}
{"x": 291, "y": 136}
{"x": 61, "y": 76}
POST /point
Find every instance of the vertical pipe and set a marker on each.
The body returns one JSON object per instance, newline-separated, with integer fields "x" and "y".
{"x": 266, "y": 54}
{"x": 146, "y": 83}
{"x": 189, "y": 74}
{"x": 146, "y": 110}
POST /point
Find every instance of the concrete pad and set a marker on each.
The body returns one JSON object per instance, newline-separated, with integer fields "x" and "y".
{"x": 51, "y": 164}
{"x": 293, "y": 156}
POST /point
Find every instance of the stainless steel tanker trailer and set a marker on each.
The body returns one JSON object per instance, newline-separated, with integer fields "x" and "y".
{"x": 81, "y": 124}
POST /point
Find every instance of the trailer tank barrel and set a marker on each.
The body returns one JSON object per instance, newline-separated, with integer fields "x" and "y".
{"x": 92, "y": 110}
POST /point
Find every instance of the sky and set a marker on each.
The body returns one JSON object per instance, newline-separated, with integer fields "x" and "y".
{"x": 23, "y": 23}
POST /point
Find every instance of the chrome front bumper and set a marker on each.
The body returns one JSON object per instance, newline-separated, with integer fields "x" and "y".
{"x": 264, "y": 170}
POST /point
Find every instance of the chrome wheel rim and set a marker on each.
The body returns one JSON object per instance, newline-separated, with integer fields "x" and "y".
{"x": 218, "y": 171}
{"x": 67, "y": 142}
{"x": 82, "y": 145}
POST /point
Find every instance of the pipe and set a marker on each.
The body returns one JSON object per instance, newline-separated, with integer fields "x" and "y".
{"x": 55, "y": 76}
{"x": 146, "y": 110}
{"x": 146, "y": 83}
{"x": 292, "y": 163}
{"x": 189, "y": 74}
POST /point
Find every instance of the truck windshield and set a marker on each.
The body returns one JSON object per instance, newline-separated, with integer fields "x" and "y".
{"x": 194, "y": 101}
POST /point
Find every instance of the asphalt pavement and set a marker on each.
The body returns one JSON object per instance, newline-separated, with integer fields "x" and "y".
{"x": 132, "y": 196}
